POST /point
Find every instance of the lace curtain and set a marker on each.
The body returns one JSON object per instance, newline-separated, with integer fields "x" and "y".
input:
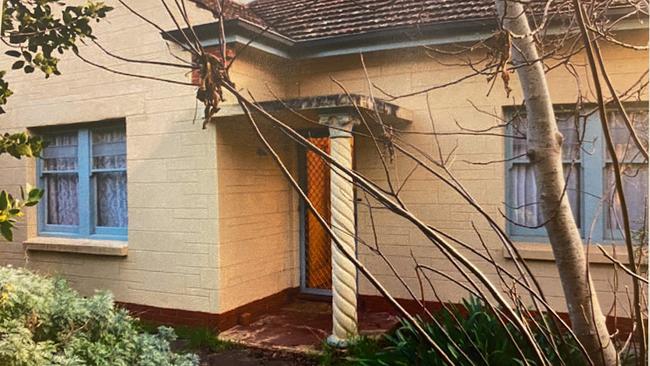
{"x": 526, "y": 210}
{"x": 109, "y": 168}
{"x": 634, "y": 174}
{"x": 61, "y": 179}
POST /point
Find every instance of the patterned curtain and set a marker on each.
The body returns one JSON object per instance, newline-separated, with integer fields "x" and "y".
{"x": 109, "y": 166}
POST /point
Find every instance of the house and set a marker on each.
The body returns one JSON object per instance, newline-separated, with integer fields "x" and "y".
{"x": 198, "y": 226}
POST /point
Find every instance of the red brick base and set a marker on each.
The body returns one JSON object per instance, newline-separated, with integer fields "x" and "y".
{"x": 223, "y": 321}
{"x": 213, "y": 321}
{"x": 372, "y": 304}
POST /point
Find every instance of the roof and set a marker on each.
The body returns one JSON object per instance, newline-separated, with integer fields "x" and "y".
{"x": 303, "y": 20}
{"x": 300, "y": 29}
{"x": 232, "y": 10}
{"x": 309, "y": 19}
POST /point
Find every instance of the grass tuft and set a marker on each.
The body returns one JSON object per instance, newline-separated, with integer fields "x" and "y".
{"x": 194, "y": 338}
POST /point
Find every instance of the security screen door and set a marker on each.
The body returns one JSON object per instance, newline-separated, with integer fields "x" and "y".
{"x": 317, "y": 252}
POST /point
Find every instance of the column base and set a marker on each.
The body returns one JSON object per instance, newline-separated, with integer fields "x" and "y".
{"x": 337, "y": 342}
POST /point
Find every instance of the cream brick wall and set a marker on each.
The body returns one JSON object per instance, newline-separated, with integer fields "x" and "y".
{"x": 405, "y": 71}
{"x": 172, "y": 169}
{"x": 259, "y": 220}
{"x": 258, "y": 211}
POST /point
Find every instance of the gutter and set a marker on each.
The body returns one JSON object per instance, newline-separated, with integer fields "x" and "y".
{"x": 245, "y": 32}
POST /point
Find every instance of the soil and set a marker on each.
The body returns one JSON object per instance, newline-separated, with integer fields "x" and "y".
{"x": 253, "y": 357}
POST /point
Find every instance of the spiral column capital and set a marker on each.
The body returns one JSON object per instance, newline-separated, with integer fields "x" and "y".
{"x": 340, "y": 124}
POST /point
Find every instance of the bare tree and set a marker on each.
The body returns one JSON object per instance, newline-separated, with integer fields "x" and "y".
{"x": 545, "y": 153}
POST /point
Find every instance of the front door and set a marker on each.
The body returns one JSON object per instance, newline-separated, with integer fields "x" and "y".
{"x": 316, "y": 247}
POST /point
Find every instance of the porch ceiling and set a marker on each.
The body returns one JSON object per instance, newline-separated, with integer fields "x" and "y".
{"x": 304, "y": 112}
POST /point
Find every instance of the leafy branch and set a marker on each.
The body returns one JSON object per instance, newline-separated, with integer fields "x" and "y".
{"x": 37, "y": 36}
{"x": 37, "y": 33}
{"x": 12, "y": 208}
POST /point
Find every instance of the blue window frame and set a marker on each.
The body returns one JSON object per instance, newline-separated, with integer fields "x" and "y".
{"x": 83, "y": 172}
{"x": 588, "y": 174}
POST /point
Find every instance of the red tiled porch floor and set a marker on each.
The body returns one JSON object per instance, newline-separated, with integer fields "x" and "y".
{"x": 301, "y": 326}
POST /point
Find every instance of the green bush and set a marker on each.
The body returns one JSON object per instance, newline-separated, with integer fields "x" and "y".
{"x": 476, "y": 331}
{"x": 44, "y": 322}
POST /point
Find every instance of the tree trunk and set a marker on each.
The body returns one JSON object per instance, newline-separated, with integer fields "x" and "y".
{"x": 545, "y": 153}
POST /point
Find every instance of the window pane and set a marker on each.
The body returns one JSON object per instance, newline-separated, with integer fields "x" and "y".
{"x": 109, "y": 152}
{"x": 62, "y": 199}
{"x": 635, "y": 188}
{"x": 624, "y": 146}
{"x": 519, "y": 125}
{"x": 526, "y": 210}
{"x": 111, "y": 199}
{"x": 568, "y": 125}
{"x": 524, "y": 192}
{"x": 109, "y": 149}
{"x": 60, "y": 153}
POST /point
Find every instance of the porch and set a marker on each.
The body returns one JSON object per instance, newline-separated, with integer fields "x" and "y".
{"x": 301, "y": 326}
{"x": 282, "y": 232}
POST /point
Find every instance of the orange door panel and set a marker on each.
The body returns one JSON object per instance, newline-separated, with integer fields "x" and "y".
{"x": 318, "y": 250}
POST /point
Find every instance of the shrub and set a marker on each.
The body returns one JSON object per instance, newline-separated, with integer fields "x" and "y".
{"x": 44, "y": 322}
{"x": 477, "y": 332}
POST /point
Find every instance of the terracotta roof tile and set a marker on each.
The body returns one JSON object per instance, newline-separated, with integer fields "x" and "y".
{"x": 312, "y": 19}
{"x": 232, "y": 10}
{"x": 303, "y": 20}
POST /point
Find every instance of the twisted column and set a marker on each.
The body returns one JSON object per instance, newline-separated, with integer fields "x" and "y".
{"x": 344, "y": 272}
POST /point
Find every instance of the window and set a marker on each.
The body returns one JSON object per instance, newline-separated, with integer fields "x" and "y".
{"x": 634, "y": 173}
{"x": 588, "y": 173}
{"x": 83, "y": 172}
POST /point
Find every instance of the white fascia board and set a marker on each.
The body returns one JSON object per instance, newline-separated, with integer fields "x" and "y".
{"x": 243, "y": 40}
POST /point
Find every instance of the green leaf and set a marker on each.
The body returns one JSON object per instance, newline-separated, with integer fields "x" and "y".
{"x": 34, "y": 196}
{"x": 18, "y": 65}
{"x": 5, "y": 230}
{"x": 38, "y": 59}
{"x": 4, "y": 200}
{"x": 24, "y": 150}
{"x": 13, "y": 53}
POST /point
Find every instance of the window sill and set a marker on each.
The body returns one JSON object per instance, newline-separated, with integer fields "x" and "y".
{"x": 544, "y": 252}
{"x": 80, "y": 246}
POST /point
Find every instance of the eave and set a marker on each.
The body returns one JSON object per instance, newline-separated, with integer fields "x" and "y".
{"x": 239, "y": 31}
{"x": 246, "y": 33}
